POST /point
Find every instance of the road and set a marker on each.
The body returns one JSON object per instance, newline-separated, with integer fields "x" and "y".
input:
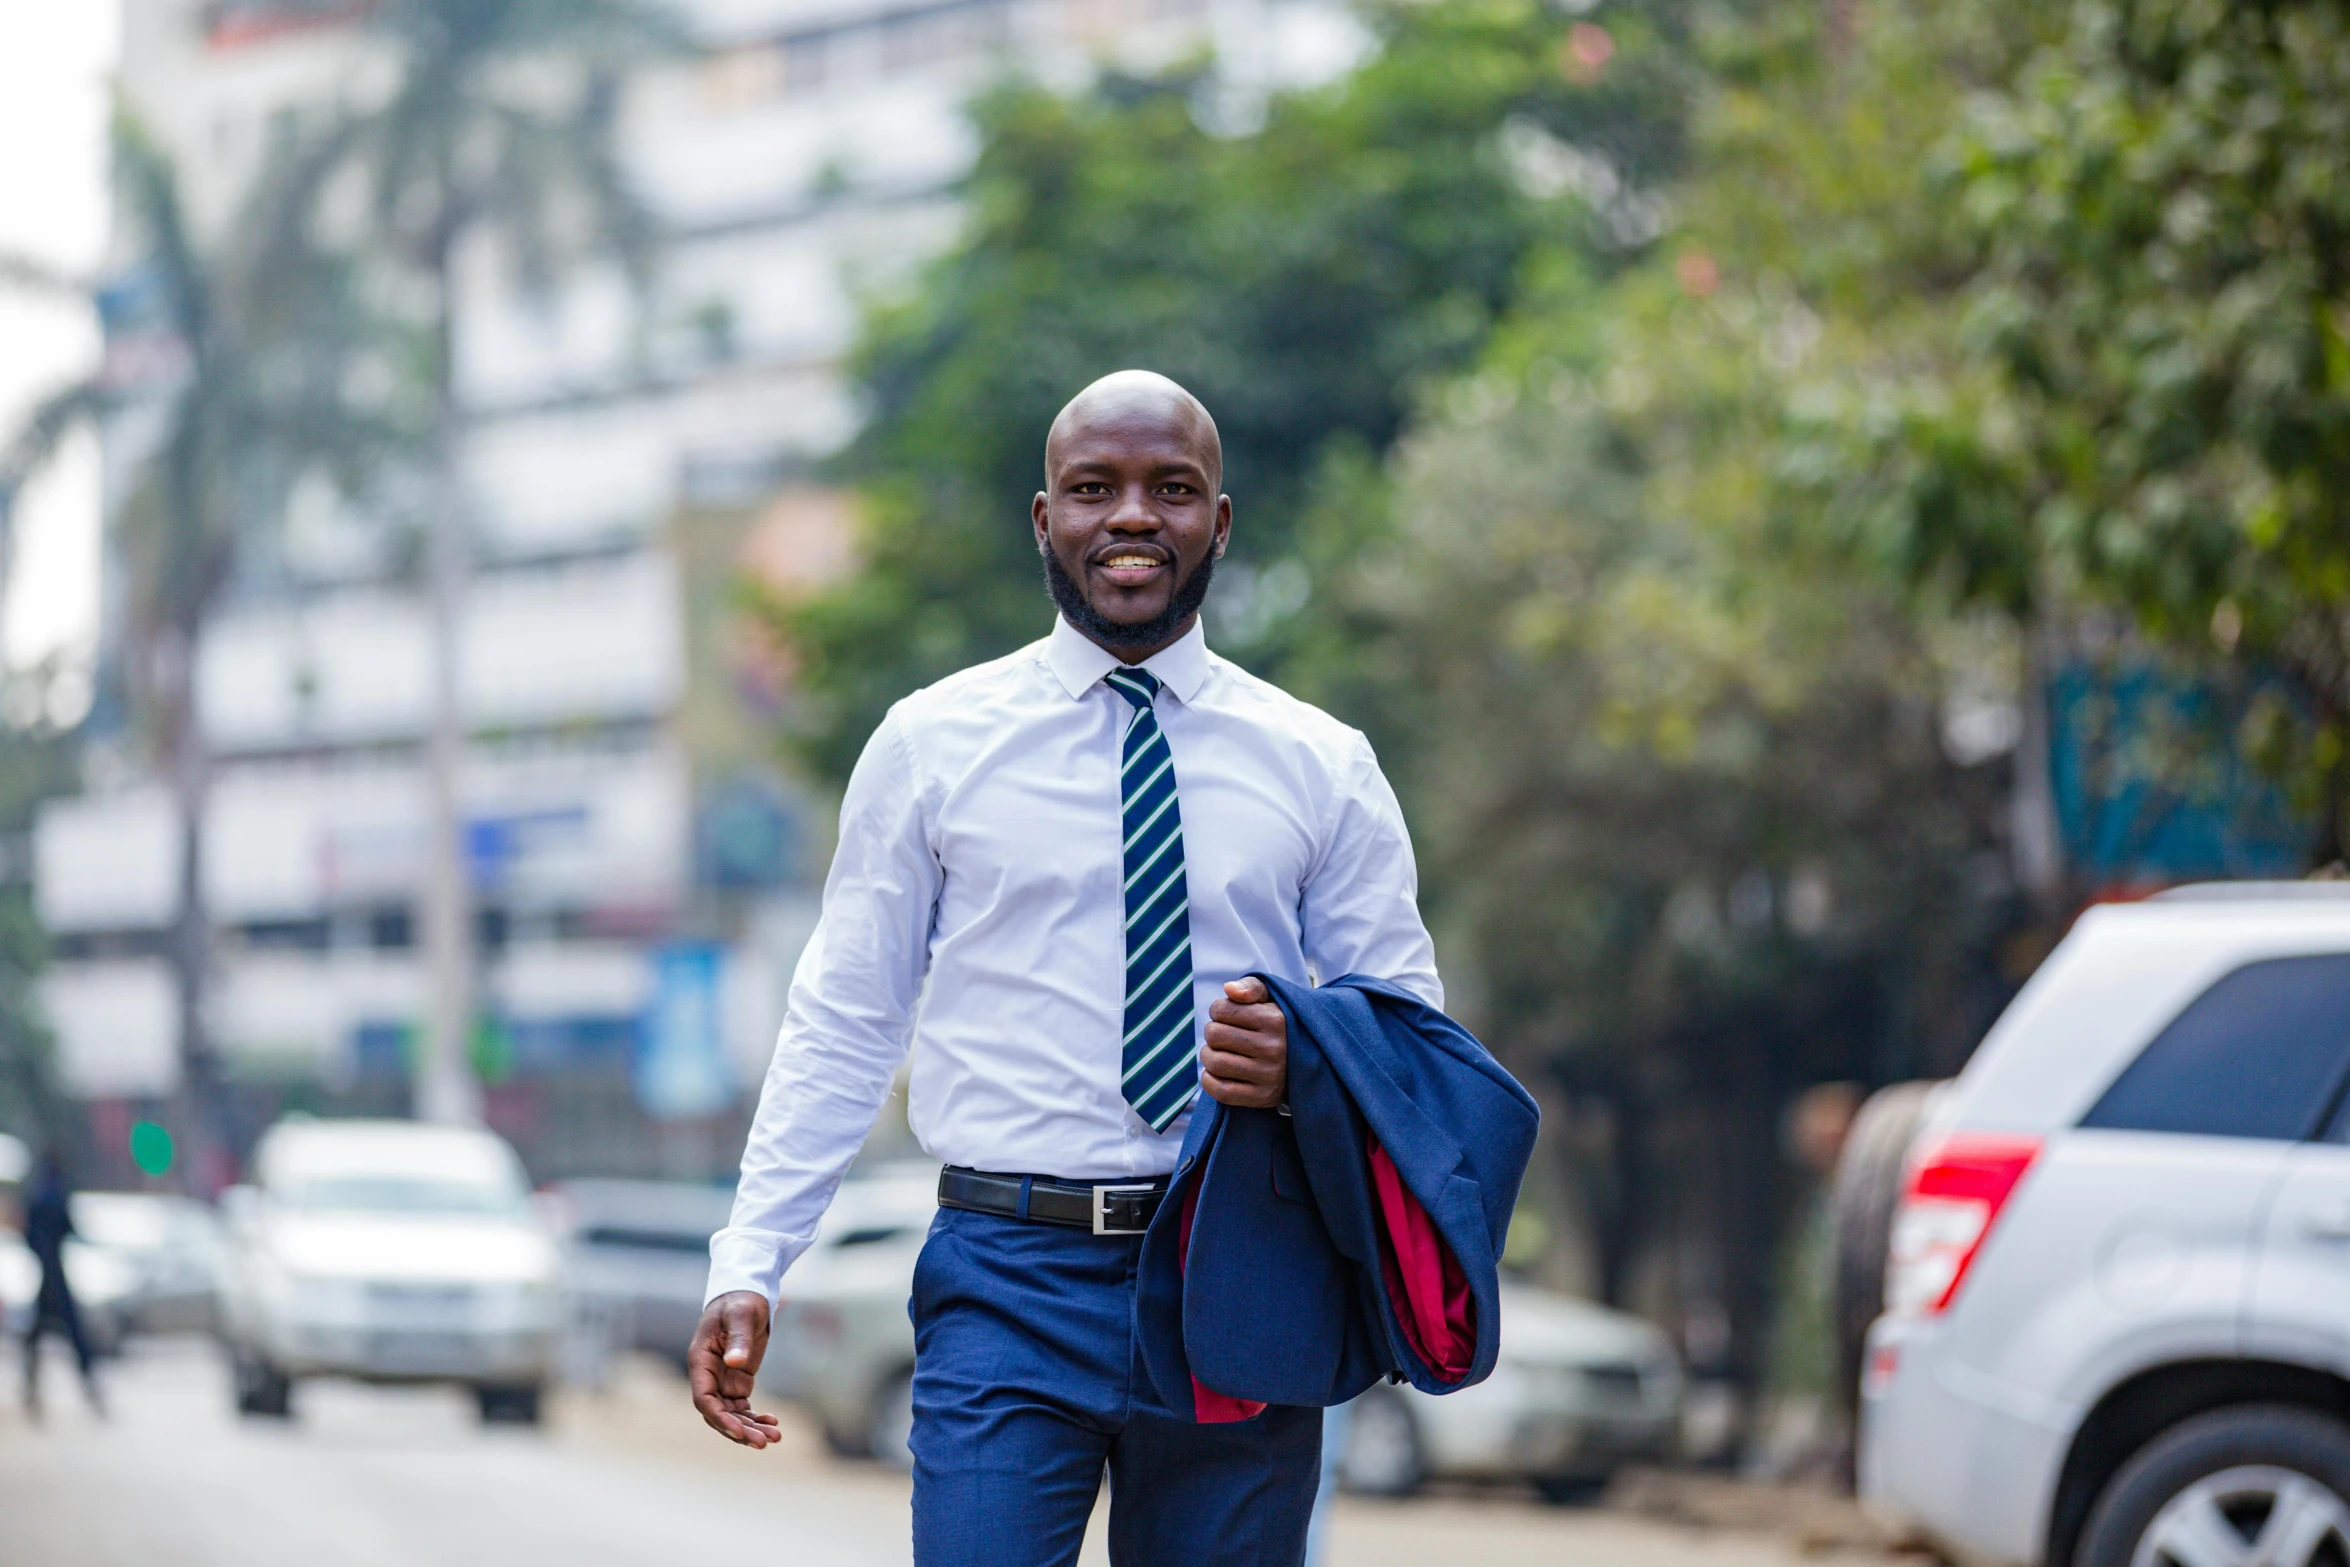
{"x": 373, "y": 1477}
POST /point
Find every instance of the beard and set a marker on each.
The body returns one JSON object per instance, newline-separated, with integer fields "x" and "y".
{"x": 1070, "y": 600}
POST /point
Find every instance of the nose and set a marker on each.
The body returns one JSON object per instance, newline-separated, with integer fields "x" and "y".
{"x": 1133, "y": 513}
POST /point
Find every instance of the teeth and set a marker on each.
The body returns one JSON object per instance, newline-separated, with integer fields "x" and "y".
{"x": 1130, "y": 560}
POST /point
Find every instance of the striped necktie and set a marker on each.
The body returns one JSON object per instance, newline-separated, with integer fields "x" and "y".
{"x": 1160, "y": 1074}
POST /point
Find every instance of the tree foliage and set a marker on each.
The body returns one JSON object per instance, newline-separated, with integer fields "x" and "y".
{"x": 2119, "y": 380}
{"x": 1307, "y": 279}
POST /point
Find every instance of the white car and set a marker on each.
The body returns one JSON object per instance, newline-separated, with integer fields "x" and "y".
{"x": 170, "y": 1243}
{"x": 2117, "y": 1324}
{"x": 391, "y": 1252}
{"x": 1579, "y": 1389}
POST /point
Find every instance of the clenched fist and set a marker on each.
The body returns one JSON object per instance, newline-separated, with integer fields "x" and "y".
{"x": 1245, "y": 1061}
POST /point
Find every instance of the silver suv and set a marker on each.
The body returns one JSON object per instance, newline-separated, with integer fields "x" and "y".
{"x": 2117, "y": 1298}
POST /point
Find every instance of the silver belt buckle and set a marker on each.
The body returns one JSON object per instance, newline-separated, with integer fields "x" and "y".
{"x": 1101, "y": 1207}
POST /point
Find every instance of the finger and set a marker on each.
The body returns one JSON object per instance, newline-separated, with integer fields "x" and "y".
{"x": 1247, "y": 989}
{"x": 1239, "y": 1069}
{"x": 738, "y": 1340}
{"x": 743, "y": 1427}
{"x": 1243, "y": 1042}
{"x": 1240, "y": 1095}
{"x": 714, "y": 1413}
{"x": 1257, "y": 1019}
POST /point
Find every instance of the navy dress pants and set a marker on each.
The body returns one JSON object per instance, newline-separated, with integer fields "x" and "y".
{"x": 1028, "y": 1382}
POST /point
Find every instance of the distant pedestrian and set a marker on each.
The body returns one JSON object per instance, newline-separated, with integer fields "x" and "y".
{"x": 48, "y": 1225}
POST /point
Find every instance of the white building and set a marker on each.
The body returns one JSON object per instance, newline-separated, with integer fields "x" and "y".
{"x": 804, "y": 156}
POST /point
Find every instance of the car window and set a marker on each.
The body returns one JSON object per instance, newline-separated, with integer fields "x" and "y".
{"x": 2262, "y": 1053}
{"x": 401, "y": 1194}
{"x": 643, "y": 1238}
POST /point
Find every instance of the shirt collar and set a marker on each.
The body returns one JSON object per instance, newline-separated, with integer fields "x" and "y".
{"x": 1079, "y": 662}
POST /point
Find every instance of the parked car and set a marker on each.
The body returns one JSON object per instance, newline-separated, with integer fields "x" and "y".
{"x": 2115, "y": 1331}
{"x": 391, "y": 1252}
{"x": 842, "y": 1344}
{"x": 637, "y": 1254}
{"x": 1579, "y": 1391}
{"x": 172, "y": 1247}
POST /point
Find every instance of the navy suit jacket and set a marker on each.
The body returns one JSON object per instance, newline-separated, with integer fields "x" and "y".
{"x": 1281, "y": 1298}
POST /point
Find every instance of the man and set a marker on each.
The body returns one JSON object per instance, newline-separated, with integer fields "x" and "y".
{"x": 1053, "y": 871}
{"x": 48, "y": 1225}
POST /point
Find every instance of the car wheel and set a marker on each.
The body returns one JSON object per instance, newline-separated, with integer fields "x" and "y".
{"x": 1570, "y": 1490}
{"x": 262, "y": 1389}
{"x": 1861, "y": 1200}
{"x": 889, "y": 1434}
{"x": 1383, "y": 1455}
{"x": 516, "y": 1406}
{"x": 2265, "y": 1484}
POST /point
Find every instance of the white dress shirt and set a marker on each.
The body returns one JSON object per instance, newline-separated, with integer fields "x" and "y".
{"x": 976, "y": 906}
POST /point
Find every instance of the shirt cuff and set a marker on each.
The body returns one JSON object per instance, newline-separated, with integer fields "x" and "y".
{"x": 750, "y": 1260}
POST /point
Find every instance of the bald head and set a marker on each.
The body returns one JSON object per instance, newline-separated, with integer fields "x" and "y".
{"x": 1137, "y": 402}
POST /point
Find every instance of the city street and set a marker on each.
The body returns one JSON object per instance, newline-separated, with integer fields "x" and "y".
{"x": 405, "y": 1478}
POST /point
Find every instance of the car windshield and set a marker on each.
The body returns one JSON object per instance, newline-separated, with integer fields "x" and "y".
{"x": 401, "y": 1194}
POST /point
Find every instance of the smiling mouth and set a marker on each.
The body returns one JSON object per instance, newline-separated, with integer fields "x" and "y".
{"x": 1129, "y": 568}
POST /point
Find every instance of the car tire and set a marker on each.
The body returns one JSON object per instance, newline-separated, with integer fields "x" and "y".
{"x": 1384, "y": 1455}
{"x": 262, "y": 1389}
{"x": 511, "y": 1406}
{"x": 2232, "y": 1469}
{"x": 1861, "y": 1199}
{"x": 890, "y": 1429}
{"x": 1570, "y": 1490}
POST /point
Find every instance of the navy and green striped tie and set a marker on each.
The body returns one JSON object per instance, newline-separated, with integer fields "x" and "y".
{"x": 1160, "y": 1075}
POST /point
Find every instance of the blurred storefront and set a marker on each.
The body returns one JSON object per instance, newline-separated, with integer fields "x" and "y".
{"x": 644, "y": 870}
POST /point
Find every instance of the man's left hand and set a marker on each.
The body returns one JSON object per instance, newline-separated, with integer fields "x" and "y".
{"x": 1246, "y": 1058}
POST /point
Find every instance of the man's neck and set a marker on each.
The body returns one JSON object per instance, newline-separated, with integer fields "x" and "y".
{"x": 1137, "y": 655}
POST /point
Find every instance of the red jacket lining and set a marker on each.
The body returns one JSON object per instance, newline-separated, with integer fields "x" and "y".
{"x": 1424, "y": 1282}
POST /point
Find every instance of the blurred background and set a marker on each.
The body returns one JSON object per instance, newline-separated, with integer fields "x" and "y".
{"x": 1806, "y": 496}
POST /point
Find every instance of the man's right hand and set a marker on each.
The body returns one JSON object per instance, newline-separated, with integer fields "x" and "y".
{"x": 720, "y": 1364}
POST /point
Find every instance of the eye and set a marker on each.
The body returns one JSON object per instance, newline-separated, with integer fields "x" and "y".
{"x": 1174, "y": 487}
{"x": 1089, "y": 487}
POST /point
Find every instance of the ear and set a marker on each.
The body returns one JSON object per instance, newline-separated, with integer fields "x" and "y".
{"x": 1039, "y": 516}
{"x": 1223, "y": 526}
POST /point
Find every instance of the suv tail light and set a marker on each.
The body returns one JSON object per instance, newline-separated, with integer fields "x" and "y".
{"x": 1953, "y": 1197}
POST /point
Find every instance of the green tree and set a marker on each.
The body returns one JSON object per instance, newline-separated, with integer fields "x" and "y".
{"x": 1672, "y": 745}
{"x": 2163, "y": 210}
{"x": 497, "y": 127}
{"x": 249, "y": 346}
{"x": 36, "y": 762}
{"x": 1307, "y": 279}
{"x": 1689, "y": 839}
{"x": 2086, "y": 352}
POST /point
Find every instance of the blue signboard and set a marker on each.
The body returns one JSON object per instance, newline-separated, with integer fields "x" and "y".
{"x": 681, "y": 1066}
{"x": 2152, "y": 786}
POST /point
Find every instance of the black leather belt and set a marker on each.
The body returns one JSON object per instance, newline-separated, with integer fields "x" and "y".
{"x": 1104, "y": 1207}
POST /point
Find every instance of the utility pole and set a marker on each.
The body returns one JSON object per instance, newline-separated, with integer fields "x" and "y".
{"x": 446, "y": 1089}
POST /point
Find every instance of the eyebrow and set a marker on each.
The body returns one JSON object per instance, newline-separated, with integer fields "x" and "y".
{"x": 1182, "y": 467}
